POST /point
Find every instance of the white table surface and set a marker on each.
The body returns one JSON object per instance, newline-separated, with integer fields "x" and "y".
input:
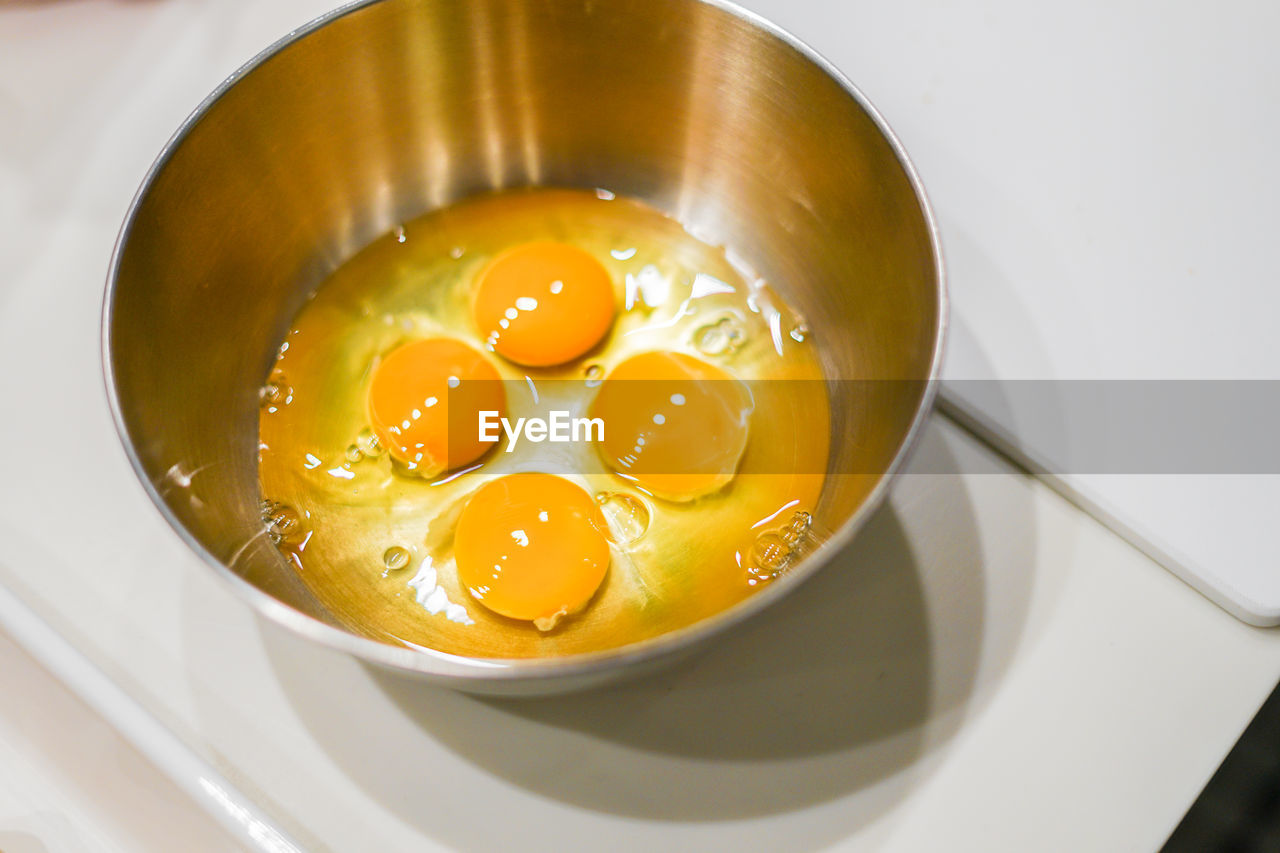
{"x": 988, "y": 669}
{"x": 69, "y": 782}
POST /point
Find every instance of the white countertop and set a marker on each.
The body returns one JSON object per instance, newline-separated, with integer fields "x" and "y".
{"x": 69, "y": 782}
{"x": 989, "y": 669}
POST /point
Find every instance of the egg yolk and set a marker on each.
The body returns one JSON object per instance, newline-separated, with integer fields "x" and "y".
{"x": 531, "y": 547}
{"x": 545, "y": 303}
{"x": 675, "y": 426}
{"x": 423, "y": 387}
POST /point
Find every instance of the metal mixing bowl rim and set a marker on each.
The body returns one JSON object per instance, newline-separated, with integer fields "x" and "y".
{"x": 461, "y": 670}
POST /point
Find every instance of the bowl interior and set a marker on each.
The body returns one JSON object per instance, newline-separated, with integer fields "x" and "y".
{"x": 388, "y": 109}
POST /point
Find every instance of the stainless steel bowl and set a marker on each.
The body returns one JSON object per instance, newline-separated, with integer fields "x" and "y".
{"x": 382, "y": 110}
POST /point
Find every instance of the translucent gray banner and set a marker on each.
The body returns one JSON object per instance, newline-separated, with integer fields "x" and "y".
{"x": 1065, "y": 426}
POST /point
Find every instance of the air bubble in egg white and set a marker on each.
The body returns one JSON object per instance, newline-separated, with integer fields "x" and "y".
{"x": 710, "y": 340}
{"x": 796, "y": 531}
{"x": 770, "y": 552}
{"x": 275, "y": 391}
{"x": 395, "y": 558}
{"x": 368, "y": 443}
{"x": 735, "y": 333}
{"x": 720, "y": 337}
{"x": 284, "y": 524}
{"x": 627, "y": 516}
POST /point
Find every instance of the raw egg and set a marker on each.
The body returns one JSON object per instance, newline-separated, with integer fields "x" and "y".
{"x": 531, "y": 547}
{"x": 675, "y": 426}
{"x": 413, "y": 521}
{"x": 544, "y": 303}
{"x": 412, "y": 394}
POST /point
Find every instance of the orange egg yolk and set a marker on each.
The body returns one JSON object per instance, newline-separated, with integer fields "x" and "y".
{"x": 545, "y": 303}
{"x": 675, "y": 426}
{"x": 531, "y": 547}
{"x": 422, "y": 388}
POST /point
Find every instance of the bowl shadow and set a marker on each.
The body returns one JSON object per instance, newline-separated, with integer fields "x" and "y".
{"x": 840, "y": 662}
{"x": 848, "y": 686}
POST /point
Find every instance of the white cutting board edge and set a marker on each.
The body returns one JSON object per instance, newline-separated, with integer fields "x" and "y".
{"x": 1212, "y": 585}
